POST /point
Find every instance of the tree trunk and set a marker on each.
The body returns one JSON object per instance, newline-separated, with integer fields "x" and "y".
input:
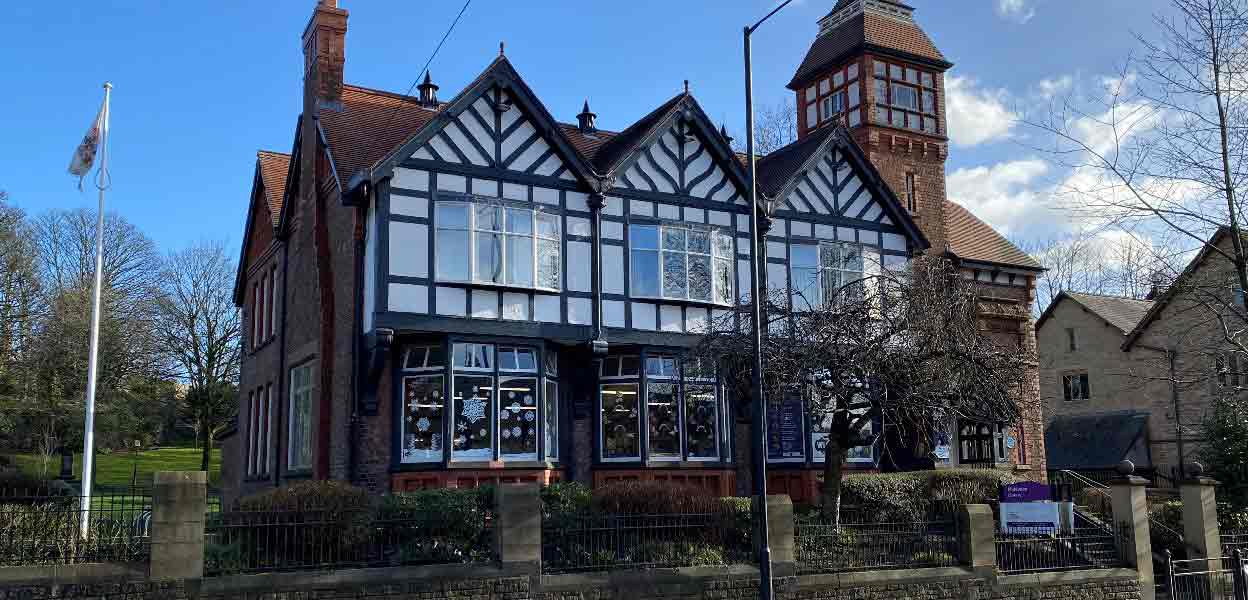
{"x": 833, "y": 466}
{"x": 1232, "y": 209}
{"x": 206, "y": 457}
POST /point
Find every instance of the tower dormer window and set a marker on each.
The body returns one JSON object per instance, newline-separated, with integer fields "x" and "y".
{"x": 836, "y": 95}
{"x": 905, "y": 97}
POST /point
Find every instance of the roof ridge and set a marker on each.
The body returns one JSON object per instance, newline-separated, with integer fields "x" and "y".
{"x": 1111, "y": 296}
{"x": 387, "y": 93}
{"x": 273, "y": 152}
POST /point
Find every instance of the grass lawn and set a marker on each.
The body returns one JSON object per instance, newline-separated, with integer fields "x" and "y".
{"x": 116, "y": 469}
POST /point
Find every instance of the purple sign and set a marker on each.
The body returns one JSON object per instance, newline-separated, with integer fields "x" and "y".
{"x": 1027, "y": 491}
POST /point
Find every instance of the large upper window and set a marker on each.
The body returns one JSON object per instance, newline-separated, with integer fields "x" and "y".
{"x": 681, "y": 262}
{"x": 1075, "y": 387}
{"x": 837, "y": 94}
{"x": 299, "y": 456}
{"x": 497, "y": 244}
{"x": 681, "y": 414}
{"x": 905, "y": 97}
{"x": 819, "y": 271}
{"x": 501, "y": 408}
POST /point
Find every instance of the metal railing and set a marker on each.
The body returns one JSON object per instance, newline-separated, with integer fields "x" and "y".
{"x": 596, "y": 542}
{"x": 260, "y": 541}
{"x": 1234, "y": 539}
{"x": 1218, "y": 578}
{"x": 1025, "y": 550}
{"x": 824, "y": 547}
{"x": 46, "y": 529}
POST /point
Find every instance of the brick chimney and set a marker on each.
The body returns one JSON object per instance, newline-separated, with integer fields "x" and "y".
{"x": 324, "y": 54}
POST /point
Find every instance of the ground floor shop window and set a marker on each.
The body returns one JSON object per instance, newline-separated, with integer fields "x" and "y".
{"x": 790, "y": 420}
{"x": 497, "y": 409}
{"x": 681, "y": 409}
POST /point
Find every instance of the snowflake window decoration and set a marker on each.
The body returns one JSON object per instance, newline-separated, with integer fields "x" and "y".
{"x": 515, "y": 431}
{"x": 473, "y": 409}
{"x": 528, "y": 399}
{"x": 506, "y": 434}
{"x": 423, "y": 424}
{"x": 528, "y": 416}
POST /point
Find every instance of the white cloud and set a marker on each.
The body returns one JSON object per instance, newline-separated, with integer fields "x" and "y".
{"x": 1011, "y": 196}
{"x": 976, "y": 115}
{"x": 1049, "y": 88}
{"x": 1018, "y": 11}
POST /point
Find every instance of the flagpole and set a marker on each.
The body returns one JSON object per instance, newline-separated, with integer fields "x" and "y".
{"x": 88, "y": 437}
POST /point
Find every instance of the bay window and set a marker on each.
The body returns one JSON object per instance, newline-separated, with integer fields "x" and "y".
{"x": 681, "y": 409}
{"x": 980, "y": 443}
{"x": 502, "y": 406}
{"x": 681, "y": 262}
{"x": 497, "y": 244}
{"x": 790, "y": 419}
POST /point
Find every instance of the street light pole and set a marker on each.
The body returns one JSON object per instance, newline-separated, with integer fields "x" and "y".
{"x": 760, "y": 401}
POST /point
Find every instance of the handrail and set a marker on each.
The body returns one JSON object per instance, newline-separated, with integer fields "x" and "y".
{"x": 1084, "y": 480}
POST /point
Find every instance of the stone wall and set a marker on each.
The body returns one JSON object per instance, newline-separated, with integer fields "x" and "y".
{"x": 492, "y": 583}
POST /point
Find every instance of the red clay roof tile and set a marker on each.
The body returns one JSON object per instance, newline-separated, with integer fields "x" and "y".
{"x": 973, "y": 239}
{"x": 273, "y": 169}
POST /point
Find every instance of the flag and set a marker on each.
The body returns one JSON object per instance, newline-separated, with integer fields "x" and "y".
{"x": 84, "y": 155}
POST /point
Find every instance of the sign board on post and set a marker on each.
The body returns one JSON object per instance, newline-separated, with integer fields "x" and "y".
{"x": 1027, "y": 506}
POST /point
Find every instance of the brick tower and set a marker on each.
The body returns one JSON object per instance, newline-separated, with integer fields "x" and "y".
{"x": 874, "y": 68}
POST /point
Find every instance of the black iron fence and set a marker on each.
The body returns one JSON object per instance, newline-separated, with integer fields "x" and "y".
{"x": 1219, "y": 578}
{"x": 854, "y": 545}
{"x": 1025, "y": 550}
{"x": 596, "y": 542}
{"x": 42, "y": 528}
{"x": 370, "y": 536}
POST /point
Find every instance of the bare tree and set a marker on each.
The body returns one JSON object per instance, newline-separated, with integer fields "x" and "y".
{"x": 200, "y": 332}
{"x": 902, "y": 347}
{"x": 1163, "y": 149}
{"x": 775, "y": 126}
{"x": 1089, "y": 262}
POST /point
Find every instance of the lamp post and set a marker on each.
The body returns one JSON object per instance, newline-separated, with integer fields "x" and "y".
{"x": 760, "y": 401}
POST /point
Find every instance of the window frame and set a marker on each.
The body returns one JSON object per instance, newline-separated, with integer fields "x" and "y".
{"x": 1068, "y": 390}
{"x": 642, "y": 380}
{"x": 923, "y": 85}
{"x": 295, "y": 392}
{"x": 535, "y": 237}
{"x": 823, "y": 271}
{"x": 818, "y": 95}
{"x": 714, "y": 233}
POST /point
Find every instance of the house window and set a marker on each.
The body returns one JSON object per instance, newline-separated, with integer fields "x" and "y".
{"x": 256, "y": 333}
{"x": 251, "y": 432}
{"x": 818, "y": 272}
{"x": 1072, "y": 343}
{"x": 821, "y": 426}
{"x": 299, "y": 456}
{"x": 424, "y": 403}
{"x": 905, "y": 97}
{"x": 1075, "y": 387}
{"x": 835, "y": 96}
{"x": 266, "y": 415}
{"x": 682, "y": 415}
{"x": 273, "y": 301}
{"x": 498, "y": 245}
{"x": 912, "y": 201}
{"x": 502, "y": 421}
{"x": 980, "y": 443}
{"x": 681, "y": 262}
{"x": 1229, "y": 369}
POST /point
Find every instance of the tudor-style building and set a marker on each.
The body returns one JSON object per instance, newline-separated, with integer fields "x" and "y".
{"x": 453, "y": 292}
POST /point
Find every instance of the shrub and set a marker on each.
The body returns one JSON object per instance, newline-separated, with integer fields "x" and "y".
{"x": 566, "y": 498}
{"x": 307, "y": 496}
{"x": 917, "y": 495}
{"x": 653, "y": 498}
{"x": 439, "y": 526}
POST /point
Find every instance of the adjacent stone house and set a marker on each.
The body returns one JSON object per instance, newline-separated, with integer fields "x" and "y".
{"x": 1115, "y": 372}
{"x": 446, "y": 293}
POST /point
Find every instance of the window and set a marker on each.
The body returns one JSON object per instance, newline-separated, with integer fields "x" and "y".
{"x": 820, "y": 428}
{"x": 251, "y": 433}
{"x": 1229, "y": 369}
{"x": 517, "y": 406}
{"x": 300, "y": 436}
{"x": 256, "y": 333}
{"x": 1071, "y": 343}
{"x": 819, "y": 271}
{"x": 680, "y": 409}
{"x": 1075, "y": 387}
{"x": 423, "y": 403}
{"x": 681, "y": 262}
{"x": 976, "y": 443}
{"x": 912, "y": 200}
{"x": 905, "y": 97}
{"x": 273, "y": 301}
{"x": 266, "y": 410}
{"x": 835, "y": 96}
{"x": 498, "y": 245}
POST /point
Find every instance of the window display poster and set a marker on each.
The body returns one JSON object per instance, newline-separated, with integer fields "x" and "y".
{"x": 784, "y": 430}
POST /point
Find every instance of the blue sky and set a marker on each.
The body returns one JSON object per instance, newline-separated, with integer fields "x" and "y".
{"x": 200, "y": 86}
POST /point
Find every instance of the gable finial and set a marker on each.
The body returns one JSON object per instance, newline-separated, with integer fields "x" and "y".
{"x": 686, "y": 86}
{"x": 586, "y": 119}
{"x": 428, "y": 91}
{"x": 723, "y": 132}
{"x": 502, "y": 48}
